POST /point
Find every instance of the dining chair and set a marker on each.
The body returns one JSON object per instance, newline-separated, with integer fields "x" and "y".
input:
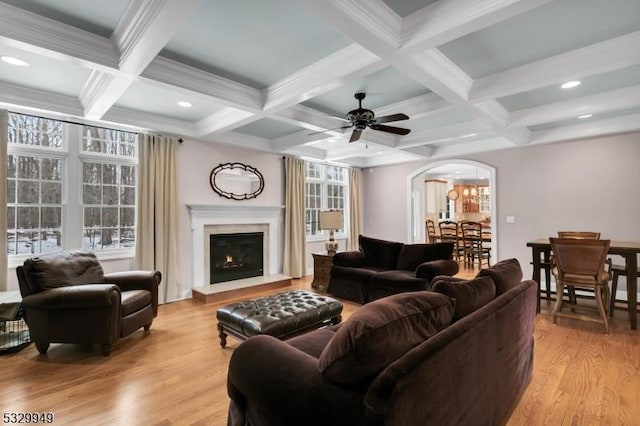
{"x": 473, "y": 245}
{"x": 617, "y": 271}
{"x": 449, "y": 233}
{"x": 431, "y": 231}
{"x": 579, "y": 234}
{"x": 580, "y": 263}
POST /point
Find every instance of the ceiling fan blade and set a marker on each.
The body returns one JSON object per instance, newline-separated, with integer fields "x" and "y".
{"x": 355, "y": 135}
{"x": 390, "y": 129}
{"x": 392, "y": 117}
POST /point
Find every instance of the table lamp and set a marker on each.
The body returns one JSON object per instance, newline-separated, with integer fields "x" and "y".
{"x": 331, "y": 220}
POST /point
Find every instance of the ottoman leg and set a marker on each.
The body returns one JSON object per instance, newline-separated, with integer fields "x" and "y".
{"x": 223, "y": 336}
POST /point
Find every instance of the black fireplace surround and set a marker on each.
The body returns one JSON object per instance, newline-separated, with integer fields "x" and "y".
{"x": 235, "y": 256}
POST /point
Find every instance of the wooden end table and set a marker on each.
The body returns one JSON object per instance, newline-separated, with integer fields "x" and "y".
{"x": 321, "y": 269}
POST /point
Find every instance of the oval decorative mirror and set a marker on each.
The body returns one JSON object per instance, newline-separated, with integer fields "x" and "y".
{"x": 236, "y": 181}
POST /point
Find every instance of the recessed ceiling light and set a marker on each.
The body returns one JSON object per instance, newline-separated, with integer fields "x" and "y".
{"x": 15, "y": 61}
{"x": 469, "y": 135}
{"x": 570, "y": 84}
{"x": 582, "y": 117}
{"x": 184, "y": 104}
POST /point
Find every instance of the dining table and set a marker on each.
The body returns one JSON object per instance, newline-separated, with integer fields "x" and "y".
{"x": 629, "y": 250}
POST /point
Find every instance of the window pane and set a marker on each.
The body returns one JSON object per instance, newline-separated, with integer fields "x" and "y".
{"x": 28, "y": 167}
{"x": 11, "y": 217}
{"x": 92, "y": 217}
{"x": 28, "y": 217}
{"x": 51, "y": 217}
{"x": 50, "y": 241}
{"x": 110, "y": 217}
{"x": 127, "y": 216}
{"x": 28, "y": 192}
{"x": 91, "y": 239}
{"x": 11, "y": 243}
{"x": 51, "y": 169}
{"x": 128, "y": 175}
{"x": 28, "y": 242}
{"x": 109, "y": 175}
{"x": 11, "y": 191}
{"x": 91, "y": 194}
{"x": 127, "y": 196}
{"x": 109, "y": 238}
{"x": 91, "y": 172}
{"x": 127, "y": 237}
{"x": 51, "y": 193}
{"x": 11, "y": 165}
{"x": 110, "y": 195}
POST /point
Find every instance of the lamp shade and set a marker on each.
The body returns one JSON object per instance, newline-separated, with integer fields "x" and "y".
{"x": 331, "y": 220}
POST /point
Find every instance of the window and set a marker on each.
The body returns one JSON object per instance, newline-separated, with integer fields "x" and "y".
{"x": 325, "y": 189}
{"x": 69, "y": 186}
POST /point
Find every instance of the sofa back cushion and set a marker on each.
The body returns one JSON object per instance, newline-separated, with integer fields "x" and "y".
{"x": 62, "y": 269}
{"x": 380, "y": 253}
{"x": 505, "y": 274}
{"x": 470, "y": 295}
{"x": 412, "y": 255}
{"x": 382, "y": 331}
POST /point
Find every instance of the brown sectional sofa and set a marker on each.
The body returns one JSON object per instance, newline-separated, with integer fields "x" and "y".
{"x": 416, "y": 358}
{"x": 382, "y": 268}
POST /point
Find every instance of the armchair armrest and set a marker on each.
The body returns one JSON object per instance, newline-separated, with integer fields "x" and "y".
{"x": 349, "y": 258}
{"x": 77, "y": 296}
{"x": 431, "y": 269}
{"x": 138, "y": 280}
{"x": 284, "y": 386}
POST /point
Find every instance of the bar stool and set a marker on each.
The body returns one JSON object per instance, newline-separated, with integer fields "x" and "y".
{"x": 618, "y": 270}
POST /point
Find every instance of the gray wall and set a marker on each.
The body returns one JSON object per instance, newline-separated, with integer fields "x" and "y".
{"x": 583, "y": 185}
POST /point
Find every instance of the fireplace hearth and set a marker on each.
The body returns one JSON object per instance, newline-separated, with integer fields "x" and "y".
{"x": 235, "y": 256}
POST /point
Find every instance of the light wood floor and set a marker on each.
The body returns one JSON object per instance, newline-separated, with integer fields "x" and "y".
{"x": 176, "y": 374}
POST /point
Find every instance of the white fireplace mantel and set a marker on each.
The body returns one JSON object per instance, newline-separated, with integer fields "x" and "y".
{"x": 203, "y": 215}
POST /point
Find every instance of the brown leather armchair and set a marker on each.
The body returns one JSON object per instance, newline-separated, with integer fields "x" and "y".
{"x": 67, "y": 298}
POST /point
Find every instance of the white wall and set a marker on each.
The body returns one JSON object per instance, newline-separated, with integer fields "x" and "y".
{"x": 583, "y": 185}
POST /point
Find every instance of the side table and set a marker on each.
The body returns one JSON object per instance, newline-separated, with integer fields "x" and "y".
{"x": 14, "y": 334}
{"x": 321, "y": 269}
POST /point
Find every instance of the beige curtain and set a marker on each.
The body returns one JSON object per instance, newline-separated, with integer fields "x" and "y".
{"x": 4, "y": 139}
{"x": 355, "y": 208}
{"x": 294, "y": 231}
{"x": 157, "y": 218}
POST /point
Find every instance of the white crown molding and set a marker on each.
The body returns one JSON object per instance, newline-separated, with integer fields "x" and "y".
{"x": 416, "y": 107}
{"x": 441, "y": 134}
{"x": 374, "y": 15}
{"x": 100, "y": 92}
{"x": 613, "y": 100}
{"x": 444, "y": 71}
{"x": 302, "y": 138}
{"x": 224, "y": 120}
{"x": 240, "y": 140}
{"x": 446, "y": 20}
{"x": 39, "y": 99}
{"x": 609, "y": 55}
{"x": 28, "y": 31}
{"x": 624, "y": 124}
{"x": 324, "y": 75}
{"x": 309, "y": 118}
{"x": 465, "y": 148}
{"x": 169, "y": 73}
{"x": 420, "y": 151}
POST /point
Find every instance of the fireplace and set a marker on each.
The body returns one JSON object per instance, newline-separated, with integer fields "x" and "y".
{"x": 235, "y": 256}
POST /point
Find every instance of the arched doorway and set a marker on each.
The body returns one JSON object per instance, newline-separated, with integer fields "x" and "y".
{"x": 427, "y": 189}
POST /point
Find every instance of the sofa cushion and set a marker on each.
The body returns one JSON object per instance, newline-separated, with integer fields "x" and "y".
{"x": 380, "y": 253}
{"x": 388, "y": 283}
{"x": 62, "y": 269}
{"x": 134, "y": 300}
{"x": 380, "y": 332}
{"x": 470, "y": 295}
{"x": 412, "y": 255}
{"x": 505, "y": 274}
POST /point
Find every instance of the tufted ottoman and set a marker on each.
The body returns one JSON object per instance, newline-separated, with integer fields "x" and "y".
{"x": 280, "y": 315}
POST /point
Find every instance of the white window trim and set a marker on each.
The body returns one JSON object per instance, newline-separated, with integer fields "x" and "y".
{"x": 324, "y": 235}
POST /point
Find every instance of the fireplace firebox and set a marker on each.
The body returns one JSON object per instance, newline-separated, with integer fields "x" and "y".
{"x": 236, "y": 256}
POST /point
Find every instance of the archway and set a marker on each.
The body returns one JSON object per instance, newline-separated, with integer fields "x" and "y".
{"x": 445, "y": 171}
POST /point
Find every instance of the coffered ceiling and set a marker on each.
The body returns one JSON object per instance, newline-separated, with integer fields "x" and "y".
{"x": 280, "y": 75}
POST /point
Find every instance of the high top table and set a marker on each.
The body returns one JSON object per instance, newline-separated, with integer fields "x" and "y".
{"x": 627, "y": 249}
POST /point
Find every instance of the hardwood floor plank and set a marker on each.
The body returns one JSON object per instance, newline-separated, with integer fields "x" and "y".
{"x": 176, "y": 373}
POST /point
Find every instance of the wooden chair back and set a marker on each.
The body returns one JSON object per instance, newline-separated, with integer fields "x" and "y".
{"x": 584, "y": 257}
{"x": 579, "y": 235}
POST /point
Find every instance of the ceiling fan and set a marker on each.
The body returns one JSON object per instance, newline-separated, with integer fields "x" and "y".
{"x": 362, "y": 118}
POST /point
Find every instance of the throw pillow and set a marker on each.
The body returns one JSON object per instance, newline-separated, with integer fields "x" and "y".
{"x": 505, "y": 274}
{"x": 379, "y": 253}
{"x": 470, "y": 295}
{"x": 382, "y": 331}
{"x": 412, "y": 255}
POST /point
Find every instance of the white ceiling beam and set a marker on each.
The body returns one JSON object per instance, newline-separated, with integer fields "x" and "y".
{"x": 367, "y": 24}
{"x": 447, "y": 20}
{"x": 421, "y": 151}
{"x": 323, "y": 76}
{"x": 617, "y": 53}
{"x": 145, "y": 28}
{"x": 613, "y": 100}
{"x": 441, "y": 134}
{"x": 170, "y": 74}
{"x": 240, "y": 140}
{"x": 417, "y": 107}
{"x": 464, "y": 148}
{"x": 12, "y": 94}
{"x": 152, "y": 122}
{"x": 302, "y": 138}
{"x": 309, "y": 118}
{"x": 224, "y": 120}
{"x": 591, "y": 128}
